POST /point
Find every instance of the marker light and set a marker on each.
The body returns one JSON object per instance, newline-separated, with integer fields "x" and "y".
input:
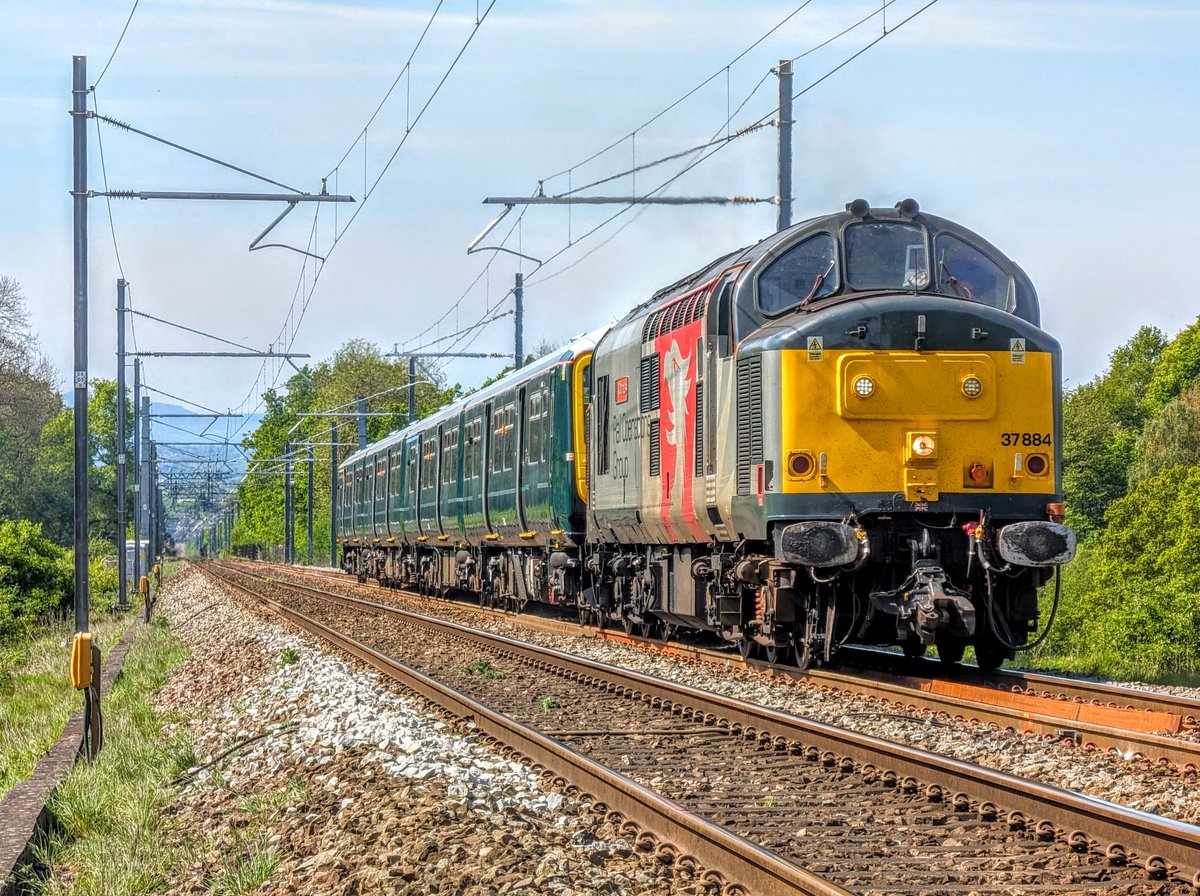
{"x": 979, "y": 472}
{"x": 864, "y": 386}
{"x": 1037, "y": 464}
{"x": 800, "y": 464}
{"x": 971, "y": 387}
{"x": 923, "y": 446}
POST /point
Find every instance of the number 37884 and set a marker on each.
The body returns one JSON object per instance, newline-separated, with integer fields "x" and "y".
{"x": 1025, "y": 439}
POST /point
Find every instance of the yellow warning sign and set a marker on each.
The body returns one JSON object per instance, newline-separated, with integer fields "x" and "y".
{"x": 816, "y": 348}
{"x": 1016, "y": 350}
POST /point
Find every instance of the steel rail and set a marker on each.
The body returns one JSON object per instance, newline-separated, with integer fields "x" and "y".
{"x": 1125, "y": 731}
{"x": 742, "y": 862}
{"x": 1161, "y": 845}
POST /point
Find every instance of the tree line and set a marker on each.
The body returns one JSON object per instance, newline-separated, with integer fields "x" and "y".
{"x": 1130, "y": 602}
{"x": 37, "y": 462}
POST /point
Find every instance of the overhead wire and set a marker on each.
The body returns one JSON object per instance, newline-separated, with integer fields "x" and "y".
{"x": 718, "y": 147}
{"x": 409, "y": 127}
{"x": 113, "y": 54}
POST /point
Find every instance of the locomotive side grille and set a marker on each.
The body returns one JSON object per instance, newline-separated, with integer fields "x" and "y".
{"x": 698, "y": 439}
{"x": 648, "y": 382}
{"x": 601, "y": 400}
{"x": 749, "y": 420}
{"x": 655, "y": 449}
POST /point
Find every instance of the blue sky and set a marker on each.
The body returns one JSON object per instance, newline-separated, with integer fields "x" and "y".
{"x": 1064, "y": 132}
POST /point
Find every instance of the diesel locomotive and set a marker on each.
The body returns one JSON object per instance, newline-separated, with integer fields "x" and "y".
{"x": 847, "y": 433}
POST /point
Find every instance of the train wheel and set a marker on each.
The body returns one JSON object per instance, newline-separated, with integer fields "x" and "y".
{"x": 913, "y": 649}
{"x": 628, "y": 624}
{"x": 584, "y": 612}
{"x": 771, "y": 653}
{"x": 745, "y": 648}
{"x": 649, "y": 629}
{"x": 989, "y": 655}
{"x": 950, "y": 649}
{"x": 801, "y": 654}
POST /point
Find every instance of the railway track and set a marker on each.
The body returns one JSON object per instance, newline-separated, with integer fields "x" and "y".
{"x": 779, "y": 803}
{"x": 1092, "y": 715}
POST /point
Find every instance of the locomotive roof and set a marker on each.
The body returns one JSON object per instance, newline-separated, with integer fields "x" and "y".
{"x": 856, "y": 211}
{"x": 573, "y": 349}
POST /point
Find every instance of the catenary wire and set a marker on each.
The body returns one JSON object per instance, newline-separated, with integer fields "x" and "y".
{"x": 113, "y": 54}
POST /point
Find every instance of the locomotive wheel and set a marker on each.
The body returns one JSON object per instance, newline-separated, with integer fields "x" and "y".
{"x": 483, "y": 600}
{"x": 745, "y": 647}
{"x": 771, "y": 653}
{"x": 913, "y": 649}
{"x": 649, "y": 629}
{"x": 585, "y": 613}
{"x": 950, "y": 649}
{"x": 989, "y": 655}
{"x": 628, "y": 624}
{"x": 801, "y": 654}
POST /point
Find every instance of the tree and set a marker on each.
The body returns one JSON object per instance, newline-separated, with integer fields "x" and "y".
{"x": 357, "y": 370}
{"x": 1177, "y": 367}
{"x": 29, "y": 402}
{"x": 1101, "y": 422}
{"x": 1170, "y": 439}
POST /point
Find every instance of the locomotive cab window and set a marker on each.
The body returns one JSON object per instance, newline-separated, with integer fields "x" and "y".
{"x": 886, "y": 255}
{"x": 805, "y": 272}
{"x": 964, "y": 271}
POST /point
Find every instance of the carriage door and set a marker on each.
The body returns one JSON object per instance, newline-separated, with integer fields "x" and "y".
{"x": 439, "y": 448}
{"x": 519, "y": 461}
{"x": 485, "y": 465}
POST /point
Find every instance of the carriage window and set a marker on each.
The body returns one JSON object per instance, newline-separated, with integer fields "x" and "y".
{"x": 471, "y": 450}
{"x": 536, "y": 452}
{"x": 503, "y": 440}
{"x": 449, "y": 447}
{"x": 429, "y": 464}
{"x": 886, "y": 255}
{"x": 805, "y": 272}
{"x": 964, "y": 271}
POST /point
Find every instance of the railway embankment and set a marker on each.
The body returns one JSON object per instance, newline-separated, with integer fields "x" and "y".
{"x": 308, "y": 774}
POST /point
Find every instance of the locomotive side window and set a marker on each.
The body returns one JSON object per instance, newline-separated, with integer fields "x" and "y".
{"x": 805, "y": 272}
{"x": 886, "y": 255}
{"x": 964, "y": 271}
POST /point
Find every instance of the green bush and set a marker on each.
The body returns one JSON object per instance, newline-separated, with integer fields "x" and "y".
{"x": 36, "y": 578}
{"x": 1131, "y": 600}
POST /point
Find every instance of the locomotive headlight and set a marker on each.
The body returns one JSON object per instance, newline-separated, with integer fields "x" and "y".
{"x": 864, "y": 387}
{"x": 924, "y": 445}
{"x": 972, "y": 386}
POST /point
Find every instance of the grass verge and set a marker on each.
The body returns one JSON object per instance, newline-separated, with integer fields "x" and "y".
{"x": 36, "y": 697}
{"x": 123, "y": 825}
{"x": 108, "y": 814}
